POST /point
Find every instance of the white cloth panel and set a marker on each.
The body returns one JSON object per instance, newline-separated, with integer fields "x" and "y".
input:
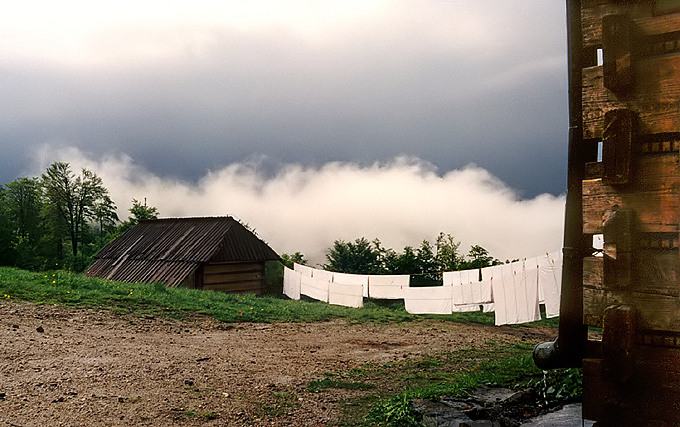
{"x": 317, "y": 273}
{"x": 388, "y": 286}
{"x": 428, "y": 300}
{"x": 515, "y": 301}
{"x": 466, "y": 283}
{"x": 529, "y": 310}
{"x": 291, "y": 283}
{"x": 314, "y": 288}
{"x": 503, "y": 287}
{"x": 346, "y": 295}
{"x": 303, "y": 269}
{"x": 486, "y": 295}
{"x": 352, "y": 279}
{"x": 453, "y": 279}
{"x": 550, "y": 281}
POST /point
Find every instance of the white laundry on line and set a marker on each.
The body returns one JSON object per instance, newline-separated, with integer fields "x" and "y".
{"x": 467, "y": 291}
{"x": 320, "y": 274}
{"x": 514, "y": 300}
{"x": 388, "y": 286}
{"x": 346, "y": 295}
{"x": 550, "y": 281}
{"x": 428, "y": 300}
{"x": 291, "y": 283}
{"x": 529, "y": 310}
{"x": 303, "y": 269}
{"x": 353, "y": 279}
{"x": 314, "y": 288}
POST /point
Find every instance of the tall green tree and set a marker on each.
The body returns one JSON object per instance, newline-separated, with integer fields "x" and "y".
{"x": 23, "y": 206}
{"x": 72, "y": 199}
{"x": 138, "y": 212}
{"x": 358, "y": 257}
{"x": 479, "y": 257}
{"x": 6, "y": 230}
{"x": 447, "y": 257}
{"x": 104, "y": 212}
{"x": 427, "y": 263}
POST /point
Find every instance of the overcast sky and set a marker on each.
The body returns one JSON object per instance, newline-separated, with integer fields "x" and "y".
{"x": 393, "y": 97}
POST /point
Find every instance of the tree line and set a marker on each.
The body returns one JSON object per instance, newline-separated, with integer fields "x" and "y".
{"x": 60, "y": 219}
{"x": 424, "y": 263}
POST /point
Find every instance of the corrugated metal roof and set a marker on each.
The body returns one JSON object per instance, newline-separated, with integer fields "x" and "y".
{"x": 169, "y": 250}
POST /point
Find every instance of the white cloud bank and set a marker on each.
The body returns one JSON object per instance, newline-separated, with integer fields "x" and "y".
{"x": 305, "y": 209}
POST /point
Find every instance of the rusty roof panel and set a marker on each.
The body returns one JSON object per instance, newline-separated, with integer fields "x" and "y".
{"x": 169, "y": 250}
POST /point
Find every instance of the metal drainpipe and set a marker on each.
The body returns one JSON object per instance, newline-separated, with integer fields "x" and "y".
{"x": 569, "y": 347}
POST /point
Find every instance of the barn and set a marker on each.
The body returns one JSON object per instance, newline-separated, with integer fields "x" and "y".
{"x": 216, "y": 253}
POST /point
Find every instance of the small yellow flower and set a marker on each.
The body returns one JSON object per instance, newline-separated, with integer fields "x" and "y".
{"x": 54, "y": 281}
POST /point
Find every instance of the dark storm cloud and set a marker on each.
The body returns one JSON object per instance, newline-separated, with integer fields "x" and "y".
{"x": 452, "y": 83}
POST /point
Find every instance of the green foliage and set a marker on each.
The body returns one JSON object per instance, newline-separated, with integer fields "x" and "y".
{"x": 139, "y": 212}
{"x": 72, "y": 201}
{"x": 496, "y": 366}
{"x": 559, "y": 385}
{"x": 296, "y": 258}
{"x": 395, "y": 412}
{"x": 358, "y": 257}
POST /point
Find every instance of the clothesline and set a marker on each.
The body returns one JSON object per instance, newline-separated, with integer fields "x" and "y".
{"x": 512, "y": 291}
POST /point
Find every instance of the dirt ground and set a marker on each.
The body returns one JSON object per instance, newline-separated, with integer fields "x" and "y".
{"x": 73, "y": 367}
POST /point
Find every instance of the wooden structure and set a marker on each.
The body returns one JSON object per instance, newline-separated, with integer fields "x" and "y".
{"x": 215, "y": 253}
{"x": 624, "y": 184}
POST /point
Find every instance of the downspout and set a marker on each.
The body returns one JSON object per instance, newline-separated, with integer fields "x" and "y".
{"x": 569, "y": 347}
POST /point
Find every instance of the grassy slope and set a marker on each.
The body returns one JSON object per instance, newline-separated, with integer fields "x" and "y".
{"x": 64, "y": 288}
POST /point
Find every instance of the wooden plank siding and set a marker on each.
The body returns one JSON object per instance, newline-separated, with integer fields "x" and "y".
{"x": 654, "y": 290}
{"x": 651, "y": 189}
{"x": 234, "y": 277}
{"x": 655, "y": 97}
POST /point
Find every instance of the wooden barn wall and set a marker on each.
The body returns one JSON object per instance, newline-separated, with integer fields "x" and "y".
{"x": 233, "y": 277}
{"x": 650, "y": 184}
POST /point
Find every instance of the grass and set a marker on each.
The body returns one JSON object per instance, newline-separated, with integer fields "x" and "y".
{"x": 384, "y": 397}
{"x": 71, "y": 289}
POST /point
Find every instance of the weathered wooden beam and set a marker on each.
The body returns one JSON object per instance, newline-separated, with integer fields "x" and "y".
{"x": 618, "y": 52}
{"x": 642, "y": 14}
{"x": 654, "y": 291}
{"x": 618, "y": 137}
{"x": 655, "y": 98}
{"x": 654, "y": 196}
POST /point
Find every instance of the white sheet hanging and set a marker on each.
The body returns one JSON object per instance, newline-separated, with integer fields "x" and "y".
{"x": 503, "y": 295}
{"x": 352, "y": 279}
{"x": 388, "y": 286}
{"x": 428, "y": 300}
{"x": 529, "y": 310}
{"x": 303, "y": 269}
{"x": 346, "y": 295}
{"x": 461, "y": 290}
{"x": 320, "y": 274}
{"x": 291, "y": 283}
{"x": 314, "y": 288}
{"x": 550, "y": 281}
